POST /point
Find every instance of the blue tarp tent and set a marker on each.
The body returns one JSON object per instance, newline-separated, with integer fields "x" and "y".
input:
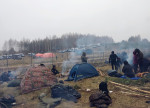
{"x": 80, "y": 71}
{"x": 80, "y": 51}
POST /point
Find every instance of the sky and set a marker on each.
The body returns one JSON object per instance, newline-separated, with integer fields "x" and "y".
{"x": 33, "y": 19}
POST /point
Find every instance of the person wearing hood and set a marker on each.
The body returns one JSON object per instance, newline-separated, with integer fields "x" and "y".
{"x": 135, "y": 62}
{"x": 84, "y": 58}
{"x": 139, "y": 55}
{"x": 54, "y": 70}
{"x": 127, "y": 70}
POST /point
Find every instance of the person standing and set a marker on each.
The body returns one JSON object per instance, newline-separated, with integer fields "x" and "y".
{"x": 113, "y": 60}
{"x": 139, "y": 55}
{"x": 84, "y": 58}
{"x": 135, "y": 62}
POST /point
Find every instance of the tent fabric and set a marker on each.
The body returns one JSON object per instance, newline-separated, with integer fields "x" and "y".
{"x": 48, "y": 55}
{"x": 45, "y": 55}
{"x": 38, "y": 55}
{"x": 80, "y": 71}
{"x": 36, "y": 78}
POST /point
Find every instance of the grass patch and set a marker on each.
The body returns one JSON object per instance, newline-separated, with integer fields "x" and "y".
{"x": 76, "y": 87}
{"x": 139, "y": 82}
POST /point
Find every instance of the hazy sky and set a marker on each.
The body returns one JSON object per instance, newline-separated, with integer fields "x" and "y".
{"x": 40, "y": 18}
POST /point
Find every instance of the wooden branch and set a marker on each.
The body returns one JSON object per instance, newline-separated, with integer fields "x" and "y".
{"x": 130, "y": 87}
{"x": 135, "y": 94}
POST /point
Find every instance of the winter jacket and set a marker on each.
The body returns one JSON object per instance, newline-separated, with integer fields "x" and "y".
{"x": 127, "y": 70}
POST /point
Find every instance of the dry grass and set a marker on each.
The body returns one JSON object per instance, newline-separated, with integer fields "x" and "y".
{"x": 120, "y": 99}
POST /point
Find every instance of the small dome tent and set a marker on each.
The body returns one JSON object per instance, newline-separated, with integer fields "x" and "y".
{"x": 80, "y": 71}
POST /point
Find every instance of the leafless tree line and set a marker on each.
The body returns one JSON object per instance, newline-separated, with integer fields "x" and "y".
{"x": 53, "y": 43}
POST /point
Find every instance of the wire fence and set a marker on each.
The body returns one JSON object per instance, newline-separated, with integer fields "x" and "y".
{"x": 96, "y": 56}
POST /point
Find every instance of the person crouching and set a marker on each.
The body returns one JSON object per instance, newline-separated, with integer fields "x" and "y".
{"x": 101, "y": 99}
{"x": 55, "y": 71}
{"x": 127, "y": 70}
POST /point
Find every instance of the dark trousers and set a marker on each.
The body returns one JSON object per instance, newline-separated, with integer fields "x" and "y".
{"x": 113, "y": 64}
{"x": 135, "y": 68}
{"x": 141, "y": 66}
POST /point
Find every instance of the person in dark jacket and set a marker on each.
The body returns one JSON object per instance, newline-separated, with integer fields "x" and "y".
{"x": 135, "y": 62}
{"x": 54, "y": 70}
{"x": 113, "y": 60}
{"x": 100, "y": 99}
{"x": 119, "y": 63}
{"x": 127, "y": 70}
{"x": 139, "y": 55}
{"x": 83, "y": 57}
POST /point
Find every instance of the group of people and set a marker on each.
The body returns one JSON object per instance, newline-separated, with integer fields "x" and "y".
{"x": 127, "y": 68}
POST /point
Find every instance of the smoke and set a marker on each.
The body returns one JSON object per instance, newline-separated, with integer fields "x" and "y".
{"x": 130, "y": 57}
{"x": 68, "y": 64}
{"x": 17, "y": 72}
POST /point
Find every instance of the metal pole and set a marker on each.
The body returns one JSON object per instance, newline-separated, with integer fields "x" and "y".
{"x": 31, "y": 59}
{"x": 52, "y": 60}
{"x": 7, "y": 61}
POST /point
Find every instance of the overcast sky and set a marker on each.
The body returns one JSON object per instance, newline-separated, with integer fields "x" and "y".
{"x": 40, "y": 18}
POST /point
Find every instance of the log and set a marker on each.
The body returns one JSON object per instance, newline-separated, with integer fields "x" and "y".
{"x": 135, "y": 94}
{"x": 130, "y": 87}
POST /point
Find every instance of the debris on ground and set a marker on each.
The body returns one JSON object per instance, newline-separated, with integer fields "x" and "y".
{"x": 65, "y": 92}
{"x": 14, "y": 83}
{"x": 7, "y": 101}
{"x": 49, "y": 102}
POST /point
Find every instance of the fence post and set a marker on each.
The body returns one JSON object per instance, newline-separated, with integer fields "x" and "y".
{"x": 31, "y": 59}
{"x": 7, "y": 61}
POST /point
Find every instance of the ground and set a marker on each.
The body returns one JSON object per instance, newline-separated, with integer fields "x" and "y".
{"x": 120, "y": 97}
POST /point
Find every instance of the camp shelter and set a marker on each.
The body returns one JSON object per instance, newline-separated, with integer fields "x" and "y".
{"x": 38, "y": 55}
{"x": 48, "y": 55}
{"x": 45, "y": 55}
{"x": 36, "y": 78}
{"x": 80, "y": 71}
{"x": 80, "y": 51}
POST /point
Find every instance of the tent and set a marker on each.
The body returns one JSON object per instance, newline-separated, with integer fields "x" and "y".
{"x": 37, "y": 77}
{"x": 39, "y": 55}
{"x": 80, "y": 51}
{"x": 80, "y": 71}
{"x": 48, "y": 55}
{"x": 45, "y": 55}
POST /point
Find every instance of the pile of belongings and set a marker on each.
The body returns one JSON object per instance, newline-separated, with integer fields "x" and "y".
{"x": 114, "y": 73}
{"x": 36, "y": 78}
{"x": 4, "y": 77}
{"x": 143, "y": 74}
{"x": 100, "y": 100}
{"x": 48, "y": 102}
{"x": 7, "y": 101}
{"x": 65, "y": 92}
{"x": 14, "y": 83}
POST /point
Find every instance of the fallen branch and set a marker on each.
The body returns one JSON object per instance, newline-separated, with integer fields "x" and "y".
{"x": 131, "y": 93}
{"x": 135, "y": 95}
{"x": 131, "y": 88}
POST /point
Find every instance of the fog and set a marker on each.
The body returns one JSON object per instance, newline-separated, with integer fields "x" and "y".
{"x": 32, "y": 19}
